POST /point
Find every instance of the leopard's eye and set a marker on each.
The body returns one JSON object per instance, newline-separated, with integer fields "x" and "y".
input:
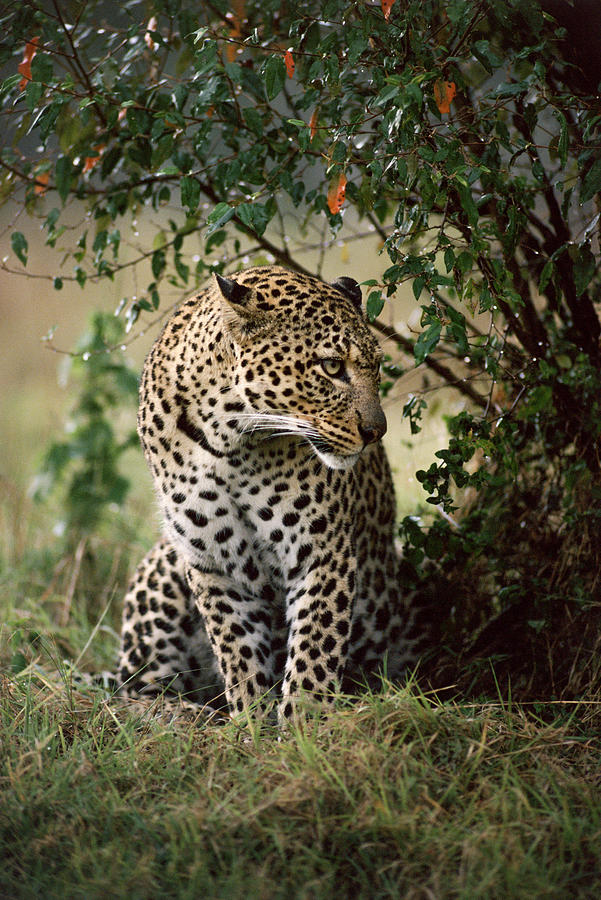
{"x": 333, "y": 367}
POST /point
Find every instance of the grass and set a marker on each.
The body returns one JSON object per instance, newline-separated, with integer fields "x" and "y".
{"x": 394, "y": 795}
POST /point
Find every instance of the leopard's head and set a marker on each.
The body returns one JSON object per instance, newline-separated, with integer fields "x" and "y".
{"x": 304, "y": 360}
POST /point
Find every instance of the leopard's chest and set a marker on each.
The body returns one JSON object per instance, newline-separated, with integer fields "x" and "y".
{"x": 257, "y": 516}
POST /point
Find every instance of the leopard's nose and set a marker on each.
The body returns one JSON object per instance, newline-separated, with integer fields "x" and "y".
{"x": 373, "y": 429}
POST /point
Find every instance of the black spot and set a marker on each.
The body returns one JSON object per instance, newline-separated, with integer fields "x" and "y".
{"x": 196, "y": 434}
{"x": 318, "y": 526}
{"x": 303, "y": 552}
{"x": 250, "y": 570}
{"x": 302, "y": 501}
{"x": 326, "y": 619}
{"x": 328, "y": 644}
{"x": 223, "y": 535}
{"x": 290, "y": 519}
{"x": 163, "y": 625}
{"x": 187, "y": 625}
{"x": 342, "y": 601}
{"x": 196, "y": 518}
{"x": 319, "y": 673}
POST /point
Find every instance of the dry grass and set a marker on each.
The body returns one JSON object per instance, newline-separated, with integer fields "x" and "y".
{"x": 396, "y": 795}
{"x": 393, "y": 795}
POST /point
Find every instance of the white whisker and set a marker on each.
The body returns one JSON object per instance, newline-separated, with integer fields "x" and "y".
{"x": 291, "y": 425}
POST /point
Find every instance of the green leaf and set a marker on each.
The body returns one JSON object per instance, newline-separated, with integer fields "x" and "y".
{"x": 485, "y": 56}
{"x": 374, "y": 305}
{"x": 412, "y": 410}
{"x": 33, "y": 92}
{"x": 256, "y": 215}
{"x": 254, "y": 120}
{"x": 591, "y": 183}
{"x": 41, "y": 68}
{"x": 456, "y": 330}
{"x": 222, "y": 213}
{"x": 47, "y": 119}
{"x": 538, "y": 170}
{"x": 274, "y": 76}
{"x": 418, "y": 286}
{"x": 449, "y": 258}
{"x": 427, "y": 342}
{"x": 338, "y": 153}
{"x": 563, "y": 140}
{"x": 109, "y": 161}
{"x": 435, "y": 544}
{"x": 357, "y": 43}
{"x": 387, "y": 93}
{"x": 585, "y": 266}
{"x": 486, "y": 300}
{"x": 63, "y": 175}
{"x": 464, "y": 262}
{"x": 169, "y": 170}
{"x": 158, "y": 263}
{"x": 467, "y": 202}
{"x": 511, "y": 90}
{"x": 20, "y": 246}
{"x": 190, "y": 192}
{"x": 545, "y": 275}
{"x": 9, "y": 83}
{"x": 138, "y": 120}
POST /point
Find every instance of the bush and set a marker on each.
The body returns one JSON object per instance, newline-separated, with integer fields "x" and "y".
{"x": 464, "y": 133}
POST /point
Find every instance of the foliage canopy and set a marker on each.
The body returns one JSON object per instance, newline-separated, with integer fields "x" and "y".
{"x": 465, "y": 133}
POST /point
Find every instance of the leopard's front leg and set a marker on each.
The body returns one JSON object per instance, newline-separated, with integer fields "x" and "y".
{"x": 320, "y": 616}
{"x": 240, "y": 628}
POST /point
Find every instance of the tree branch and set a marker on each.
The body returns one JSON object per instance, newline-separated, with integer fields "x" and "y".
{"x": 443, "y": 371}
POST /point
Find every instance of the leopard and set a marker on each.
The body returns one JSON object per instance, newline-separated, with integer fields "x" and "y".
{"x": 276, "y": 574}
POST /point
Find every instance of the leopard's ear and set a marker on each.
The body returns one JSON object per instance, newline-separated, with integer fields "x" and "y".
{"x": 350, "y": 288}
{"x": 238, "y": 308}
{"x": 233, "y": 291}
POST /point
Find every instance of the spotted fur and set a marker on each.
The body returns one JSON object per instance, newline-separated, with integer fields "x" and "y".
{"x": 261, "y": 423}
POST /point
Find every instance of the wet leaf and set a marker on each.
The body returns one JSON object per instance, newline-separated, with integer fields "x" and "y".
{"x": 444, "y": 91}
{"x": 289, "y": 63}
{"x": 336, "y": 193}
{"x": 20, "y": 246}
{"x": 274, "y": 76}
{"x": 386, "y": 7}
{"x": 24, "y": 67}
